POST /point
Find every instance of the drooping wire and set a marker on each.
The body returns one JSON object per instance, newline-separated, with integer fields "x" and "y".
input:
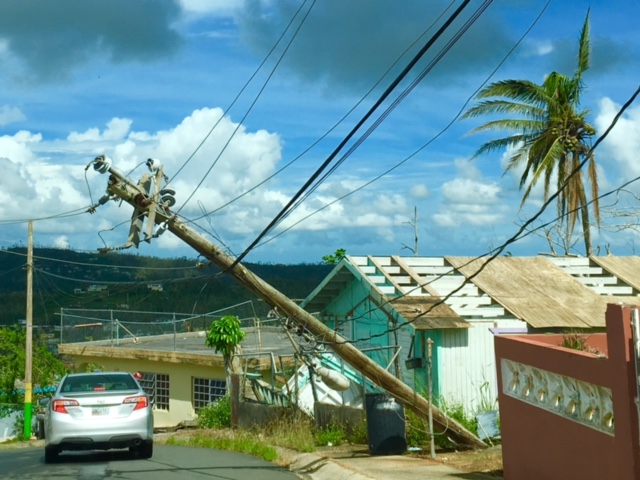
{"x": 353, "y": 131}
{"x": 390, "y": 108}
{"x": 522, "y": 231}
{"x": 253, "y": 103}
{"x": 336, "y": 124}
{"x": 429, "y": 142}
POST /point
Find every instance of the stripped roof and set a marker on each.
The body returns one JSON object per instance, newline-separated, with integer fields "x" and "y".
{"x": 536, "y": 291}
{"x": 428, "y": 313}
{"x": 626, "y": 269}
{"x": 558, "y": 292}
{"x": 423, "y": 312}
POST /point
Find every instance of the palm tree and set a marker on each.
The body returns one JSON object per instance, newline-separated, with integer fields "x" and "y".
{"x": 551, "y": 137}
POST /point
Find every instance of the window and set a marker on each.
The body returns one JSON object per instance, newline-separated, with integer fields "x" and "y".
{"x": 98, "y": 382}
{"x": 206, "y": 391}
{"x": 157, "y": 387}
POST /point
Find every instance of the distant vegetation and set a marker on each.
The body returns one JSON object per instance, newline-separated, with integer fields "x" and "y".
{"x": 69, "y": 279}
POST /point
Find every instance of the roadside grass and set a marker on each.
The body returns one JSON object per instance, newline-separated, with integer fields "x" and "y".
{"x": 287, "y": 433}
{"x": 241, "y": 442}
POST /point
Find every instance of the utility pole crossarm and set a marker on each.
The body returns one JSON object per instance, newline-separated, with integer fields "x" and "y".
{"x": 123, "y": 188}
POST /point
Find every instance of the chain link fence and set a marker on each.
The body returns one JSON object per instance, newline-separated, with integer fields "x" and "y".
{"x": 113, "y": 326}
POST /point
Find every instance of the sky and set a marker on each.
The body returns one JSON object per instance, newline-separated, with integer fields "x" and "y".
{"x": 242, "y": 101}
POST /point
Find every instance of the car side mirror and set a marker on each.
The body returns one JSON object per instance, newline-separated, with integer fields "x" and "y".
{"x": 44, "y": 402}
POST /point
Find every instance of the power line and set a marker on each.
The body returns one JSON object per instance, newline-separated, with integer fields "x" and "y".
{"x": 99, "y": 265}
{"x": 335, "y": 125}
{"x": 370, "y": 112}
{"x": 70, "y": 213}
{"x": 393, "y": 105}
{"x": 255, "y": 100}
{"x": 522, "y": 231}
{"x": 430, "y": 141}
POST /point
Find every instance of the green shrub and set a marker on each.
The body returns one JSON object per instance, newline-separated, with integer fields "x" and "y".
{"x": 216, "y": 414}
{"x": 417, "y": 429}
{"x": 459, "y": 414}
{"x": 294, "y": 431}
{"x": 331, "y": 435}
{"x": 358, "y": 435}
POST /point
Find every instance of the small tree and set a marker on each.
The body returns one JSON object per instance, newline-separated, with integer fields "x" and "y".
{"x": 46, "y": 368}
{"x": 224, "y": 336}
{"x": 335, "y": 258}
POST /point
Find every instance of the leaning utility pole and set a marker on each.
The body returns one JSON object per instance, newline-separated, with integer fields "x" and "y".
{"x": 150, "y": 205}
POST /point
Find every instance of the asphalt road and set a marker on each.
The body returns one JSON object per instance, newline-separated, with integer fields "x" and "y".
{"x": 168, "y": 463}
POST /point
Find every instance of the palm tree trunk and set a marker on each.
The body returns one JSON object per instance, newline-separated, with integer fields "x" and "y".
{"x": 586, "y": 230}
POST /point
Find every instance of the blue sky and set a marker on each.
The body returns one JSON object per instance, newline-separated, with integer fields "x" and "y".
{"x": 151, "y": 78}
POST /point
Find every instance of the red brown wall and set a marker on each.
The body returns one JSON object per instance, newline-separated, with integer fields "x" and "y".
{"x": 538, "y": 444}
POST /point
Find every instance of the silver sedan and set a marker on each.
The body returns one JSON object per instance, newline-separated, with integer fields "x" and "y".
{"x": 98, "y": 411}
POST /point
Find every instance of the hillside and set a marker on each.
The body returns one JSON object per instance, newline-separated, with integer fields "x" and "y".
{"x": 68, "y": 279}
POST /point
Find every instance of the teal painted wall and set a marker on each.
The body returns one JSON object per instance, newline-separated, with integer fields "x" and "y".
{"x": 357, "y": 317}
{"x": 421, "y": 374}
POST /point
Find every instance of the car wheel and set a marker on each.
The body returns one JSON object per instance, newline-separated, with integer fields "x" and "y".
{"x": 144, "y": 451}
{"x": 40, "y": 433}
{"x": 50, "y": 454}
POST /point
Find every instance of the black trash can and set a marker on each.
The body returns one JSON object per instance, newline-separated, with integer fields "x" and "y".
{"x": 386, "y": 426}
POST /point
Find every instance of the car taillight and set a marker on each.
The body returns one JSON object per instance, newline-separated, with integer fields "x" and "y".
{"x": 141, "y": 401}
{"x": 60, "y": 406}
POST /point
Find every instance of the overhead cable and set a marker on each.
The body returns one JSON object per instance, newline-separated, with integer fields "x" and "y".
{"x": 246, "y": 114}
{"x": 353, "y": 131}
{"x": 425, "y": 145}
{"x": 334, "y": 126}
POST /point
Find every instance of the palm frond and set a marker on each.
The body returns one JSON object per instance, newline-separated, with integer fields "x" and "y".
{"x": 550, "y": 134}
{"x": 527, "y": 127}
{"x": 524, "y": 91}
{"x": 595, "y": 193}
{"x": 584, "y": 49}
{"x": 499, "y": 144}
{"x": 491, "y": 107}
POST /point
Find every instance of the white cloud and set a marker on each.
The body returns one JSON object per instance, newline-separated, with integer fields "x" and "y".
{"x": 622, "y": 145}
{"x": 470, "y": 200}
{"x": 117, "y": 129}
{"x": 539, "y": 48}
{"x": 61, "y": 242}
{"x": 9, "y": 114}
{"x": 470, "y": 192}
{"x": 209, "y": 7}
{"x": 419, "y": 191}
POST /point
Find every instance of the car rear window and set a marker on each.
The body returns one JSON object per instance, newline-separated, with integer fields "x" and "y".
{"x": 99, "y": 383}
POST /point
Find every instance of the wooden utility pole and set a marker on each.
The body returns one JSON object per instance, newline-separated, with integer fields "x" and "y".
{"x": 123, "y": 188}
{"x": 28, "y": 387}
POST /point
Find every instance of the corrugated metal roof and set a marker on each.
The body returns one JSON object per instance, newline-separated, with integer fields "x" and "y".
{"x": 535, "y": 290}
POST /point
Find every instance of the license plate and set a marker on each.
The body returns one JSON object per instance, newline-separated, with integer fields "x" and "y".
{"x": 99, "y": 411}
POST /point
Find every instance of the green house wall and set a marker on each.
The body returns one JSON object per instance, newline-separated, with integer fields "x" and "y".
{"x": 354, "y": 314}
{"x": 421, "y": 375}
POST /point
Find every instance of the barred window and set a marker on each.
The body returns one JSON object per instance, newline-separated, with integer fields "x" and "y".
{"x": 157, "y": 387}
{"x": 206, "y": 391}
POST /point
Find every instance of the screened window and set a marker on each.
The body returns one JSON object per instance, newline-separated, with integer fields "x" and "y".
{"x": 206, "y": 391}
{"x": 157, "y": 387}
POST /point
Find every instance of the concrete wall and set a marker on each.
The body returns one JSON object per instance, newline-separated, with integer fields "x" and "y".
{"x": 328, "y": 415}
{"x": 180, "y": 383}
{"x": 248, "y": 414}
{"x": 566, "y": 413}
